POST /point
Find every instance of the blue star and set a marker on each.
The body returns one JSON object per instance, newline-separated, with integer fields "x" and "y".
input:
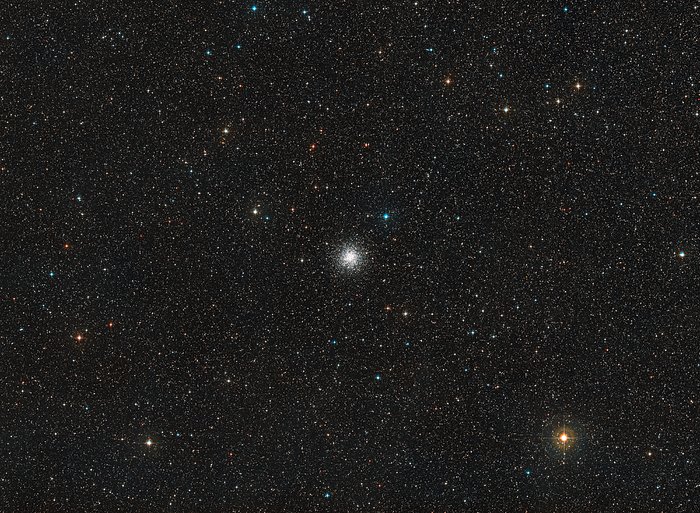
{"x": 565, "y": 9}
{"x": 407, "y": 343}
{"x": 386, "y": 216}
{"x": 528, "y": 472}
{"x": 52, "y": 274}
{"x": 377, "y": 377}
{"x": 327, "y": 495}
{"x": 238, "y": 46}
{"x": 334, "y": 342}
{"x": 253, "y": 7}
{"x": 429, "y": 50}
{"x": 547, "y": 85}
{"x": 208, "y": 52}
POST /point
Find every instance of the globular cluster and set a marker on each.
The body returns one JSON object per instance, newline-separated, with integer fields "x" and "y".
{"x": 349, "y": 256}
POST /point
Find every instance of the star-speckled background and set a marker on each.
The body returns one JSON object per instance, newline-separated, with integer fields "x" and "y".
{"x": 349, "y": 256}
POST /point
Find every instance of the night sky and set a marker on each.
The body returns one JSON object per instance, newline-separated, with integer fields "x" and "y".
{"x": 349, "y": 256}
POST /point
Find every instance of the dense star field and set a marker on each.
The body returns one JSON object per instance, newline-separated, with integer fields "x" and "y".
{"x": 349, "y": 256}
